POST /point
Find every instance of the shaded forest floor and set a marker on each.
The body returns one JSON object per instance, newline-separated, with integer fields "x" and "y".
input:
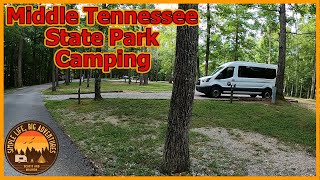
{"x": 126, "y": 137}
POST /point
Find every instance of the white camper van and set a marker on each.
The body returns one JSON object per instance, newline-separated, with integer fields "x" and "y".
{"x": 246, "y": 77}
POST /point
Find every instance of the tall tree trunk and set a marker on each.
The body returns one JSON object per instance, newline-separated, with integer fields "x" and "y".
{"x": 145, "y": 76}
{"x": 287, "y": 87}
{"x": 145, "y": 79}
{"x": 39, "y": 69}
{"x": 176, "y": 150}
{"x": 97, "y": 82}
{"x": 15, "y": 67}
{"x": 313, "y": 82}
{"x": 34, "y": 55}
{"x": 282, "y": 52}
{"x": 269, "y": 41}
{"x": 297, "y": 79}
{"x": 97, "y": 77}
{"x": 15, "y": 74}
{"x": 129, "y": 75}
{"x": 236, "y": 44}
{"x": 57, "y": 77}
{"x": 67, "y": 76}
{"x": 12, "y": 67}
{"x": 172, "y": 71}
{"x": 80, "y": 77}
{"x": 88, "y": 76}
{"x": 300, "y": 94}
{"x": 296, "y": 59}
{"x": 208, "y": 39}
{"x": 40, "y": 76}
{"x": 98, "y": 73}
{"x": 97, "y": 85}
{"x": 53, "y": 88}
{"x": 48, "y": 62}
{"x": 141, "y": 79}
{"x": 19, "y": 78}
{"x": 157, "y": 73}
{"x": 284, "y": 88}
{"x": 71, "y": 77}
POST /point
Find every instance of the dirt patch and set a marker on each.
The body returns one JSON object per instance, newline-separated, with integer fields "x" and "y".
{"x": 260, "y": 155}
{"x": 92, "y": 117}
{"x": 110, "y": 119}
{"x": 114, "y": 120}
{"x": 306, "y": 103}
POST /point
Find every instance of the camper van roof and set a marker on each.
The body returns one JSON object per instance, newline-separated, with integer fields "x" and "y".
{"x": 250, "y": 64}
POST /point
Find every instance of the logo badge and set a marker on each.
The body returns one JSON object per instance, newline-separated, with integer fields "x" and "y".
{"x": 31, "y": 147}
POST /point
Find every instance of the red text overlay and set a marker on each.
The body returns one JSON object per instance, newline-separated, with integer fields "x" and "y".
{"x": 111, "y": 21}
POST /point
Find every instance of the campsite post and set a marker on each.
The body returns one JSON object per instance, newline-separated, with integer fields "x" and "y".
{"x": 273, "y": 96}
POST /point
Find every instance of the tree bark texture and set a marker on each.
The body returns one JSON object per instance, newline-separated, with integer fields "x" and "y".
{"x": 208, "y": 39}
{"x": 282, "y": 52}
{"x": 145, "y": 79}
{"x": 97, "y": 82}
{"x": 97, "y": 85}
{"x": 313, "y": 82}
{"x": 88, "y": 76}
{"x": 67, "y": 76}
{"x": 176, "y": 150}
{"x": 57, "y": 77}
{"x": 269, "y": 42}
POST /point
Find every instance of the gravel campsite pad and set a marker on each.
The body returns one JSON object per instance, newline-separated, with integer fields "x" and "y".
{"x": 256, "y": 154}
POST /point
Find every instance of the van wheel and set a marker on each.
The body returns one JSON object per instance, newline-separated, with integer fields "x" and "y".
{"x": 253, "y": 95}
{"x": 267, "y": 93}
{"x": 215, "y": 92}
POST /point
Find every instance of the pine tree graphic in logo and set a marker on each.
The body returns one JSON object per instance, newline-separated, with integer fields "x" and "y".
{"x": 31, "y": 147}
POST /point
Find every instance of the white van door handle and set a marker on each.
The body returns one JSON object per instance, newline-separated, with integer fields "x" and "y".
{"x": 232, "y": 80}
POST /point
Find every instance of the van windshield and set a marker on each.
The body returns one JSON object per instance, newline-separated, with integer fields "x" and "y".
{"x": 217, "y": 70}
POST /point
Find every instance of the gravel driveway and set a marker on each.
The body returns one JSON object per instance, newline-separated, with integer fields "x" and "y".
{"x": 259, "y": 155}
{"x": 140, "y": 95}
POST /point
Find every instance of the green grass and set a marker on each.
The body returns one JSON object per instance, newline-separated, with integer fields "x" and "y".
{"x": 110, "y": 86}
{"x": 131, "y": 147}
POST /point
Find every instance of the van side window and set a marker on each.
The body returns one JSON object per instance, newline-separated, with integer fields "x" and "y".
{"x": 256, "y": 72}
{"x": 227, "y": 73}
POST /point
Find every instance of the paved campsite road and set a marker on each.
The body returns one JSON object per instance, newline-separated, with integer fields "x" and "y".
{"x": 27, "y": 104}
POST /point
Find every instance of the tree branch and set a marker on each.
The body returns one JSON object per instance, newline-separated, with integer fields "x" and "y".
{"x": 307, "y": 33}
